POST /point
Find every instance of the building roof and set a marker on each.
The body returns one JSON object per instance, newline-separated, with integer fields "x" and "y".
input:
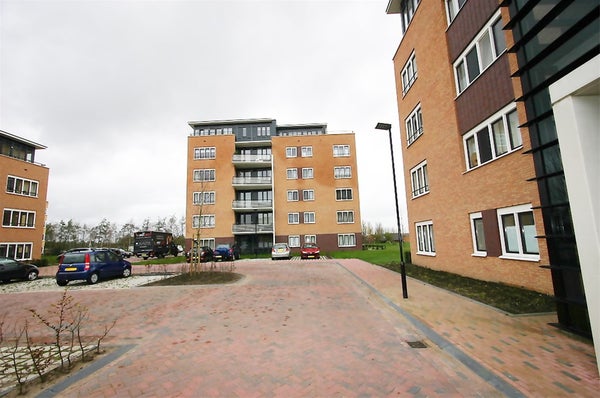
{"x": 230, "y": 121}
{"x": 22, "y": 140}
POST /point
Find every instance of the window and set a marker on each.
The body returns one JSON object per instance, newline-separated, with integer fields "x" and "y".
{"x": 203, "y": 221}
{"x": 343, "y": 194}
{"x": 419, "y": 180}
{"x": 485, "y": 49}
{"x": 294, "y": 240}
{"x": 307, "y": 151}
{"x": 345, "y": 217}
{"x": 202, "y": 175}
{"x": 493, "y": 138}
{"x": 293, "y": 218}
{"x": 346, "y": 240}
{"x": 310, "y": 239}
{"x": 409, "y": 73}
{"x": 207, "y": 198}
{"x": 407, "y": 12}
{"x": 205, "y": 153}
{"x": 18, "y": 251}
{"x": 414, "y": 125}
{"x": 452, "y": 8}
{"x": 425, "y": 242}
{"x": 517, "y": 233}
{"x": 342, "y": 172}
{"x": 307, "y": 173}
{"x": 292, "y": 195}
{"x": 21, "y": 186}
{"x": 309, "y": 217}
{"x": 308, "y": 194}
{"x": 291, "y": 152}
{"x": 210, "y": 242}
{"x": 341, "y": 151}
{"x": 18, "y": 218}
{"x": 478, "y": 235}
{"x": 263, "y": 131}
{"x": 292, "y": 174}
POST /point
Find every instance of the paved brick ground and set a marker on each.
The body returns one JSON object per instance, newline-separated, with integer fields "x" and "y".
{"x": 330, "y": 328}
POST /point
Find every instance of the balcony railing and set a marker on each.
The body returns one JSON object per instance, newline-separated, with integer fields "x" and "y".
{"x": 252, "y": 204}
{"x": 252, "y": 181}
{"x": 252, "y": 228}
{"x": 252, "y": 158}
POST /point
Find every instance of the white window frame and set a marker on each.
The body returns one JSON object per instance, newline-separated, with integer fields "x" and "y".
{"x": 310, "y": 239}
{"x": 292, "y": 173}
{"x": 292, "y": 195}
{"x": 414, "y": 125}
{"x": 307, "y": 151}
{"x": 453, "y": 7}
{"x": 341, "y": 172}
{"x": 11, "y": 250}
{"x": 294, "y": 240}
{"x": 205, "y": 152}
{"x": 529, "y": 234}
{"x": 291, "y": 152}
{"x": 293, "y": 218}
{"x": 203, "y": 221}
{"x": 308, "y": 173}
{"x": 24, "y": 218}
{"x": 512, "y": 137}
{"x": 17, "y": 186}
{"x": 200, "y": 175}
{"x": 473, "y": 217}
{"x": 425, "y": 238}
{"x": 346, "y": 240}
{"x": 419, "y": 180}
{"x": 461, "y": 72}
{"x": 204, "y": 198}
{"x": 308, "y": 195}
{"x": 310, "y": 216}
{"x": 344, "y": 194}
{"x": 409, "y": 74}
{"x": 340, "y": 151}
{"x": 345, "y": 216}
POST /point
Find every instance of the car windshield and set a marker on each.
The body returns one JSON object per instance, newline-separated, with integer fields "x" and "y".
{"x": 310, "y": 246}
{"x": 223, "y": 247}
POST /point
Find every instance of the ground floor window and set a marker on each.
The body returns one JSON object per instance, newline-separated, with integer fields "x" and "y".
{"x": 425, "y": 241}
{"x": 346, "y": 240}
{"x": 518, "y": 233}
{"x": 310, "y": 239}
{"x": 478, "y": 235}
{"x": 18, "y": 251}
{"x": 294, "y": 240}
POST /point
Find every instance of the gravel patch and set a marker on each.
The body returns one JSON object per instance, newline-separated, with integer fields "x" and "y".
{"x": 49, "y": 284}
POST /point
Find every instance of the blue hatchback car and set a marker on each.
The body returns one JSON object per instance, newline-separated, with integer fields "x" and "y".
{"x": 91, "y": 266}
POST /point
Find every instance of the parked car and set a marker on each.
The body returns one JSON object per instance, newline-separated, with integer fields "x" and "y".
{"x": 224, "y": 252}
{"x": 280, "y": 250}
{"x": 122, "y": 252}
{"x": 309, "y": 250}
{"x": 91, "y": 266}
{"x": 206, "y": 254}
{"x": 12, "y": 269}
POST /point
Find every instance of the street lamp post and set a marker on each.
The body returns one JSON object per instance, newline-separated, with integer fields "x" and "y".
{"x": 388, "y": 127}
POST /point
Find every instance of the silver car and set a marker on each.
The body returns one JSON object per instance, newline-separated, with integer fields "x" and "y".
{"x": 280, "y": 250}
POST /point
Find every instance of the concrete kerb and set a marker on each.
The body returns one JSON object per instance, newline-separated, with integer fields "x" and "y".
{"x": 445, "y": 345}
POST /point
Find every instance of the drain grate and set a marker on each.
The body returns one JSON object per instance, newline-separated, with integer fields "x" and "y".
{"x": 416, "y": 344}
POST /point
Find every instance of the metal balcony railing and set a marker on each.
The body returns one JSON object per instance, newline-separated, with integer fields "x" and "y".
{"x": 252, "y": 158}
{"x": 252, "y": 180}
{"x": 252, "y": 228}
{"x": 252, "y": 204}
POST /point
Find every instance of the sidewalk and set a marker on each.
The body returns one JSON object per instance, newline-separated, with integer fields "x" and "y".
{"x": 536, "y": 358}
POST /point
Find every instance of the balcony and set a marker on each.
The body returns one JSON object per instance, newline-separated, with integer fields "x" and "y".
{"x": 252, "y": 182}
{"x": 249, "y": 161}
{"x": 252, "y": 204}
{"x": 249, "y": 229}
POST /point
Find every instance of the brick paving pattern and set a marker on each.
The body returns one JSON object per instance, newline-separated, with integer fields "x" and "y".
{"x": 324, "y": 328}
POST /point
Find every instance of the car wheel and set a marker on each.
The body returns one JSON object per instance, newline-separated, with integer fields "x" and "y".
{"x": 32, "y": 275}
{"x": 60, "y": 282}
{"x": 93, "y": 279}
{"x": 126, "y": 273}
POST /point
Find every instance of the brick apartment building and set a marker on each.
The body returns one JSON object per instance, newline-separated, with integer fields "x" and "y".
{"x": 253, "y": 183}
{"x": 23, "y": 198}
{"x": 486, "y": 90}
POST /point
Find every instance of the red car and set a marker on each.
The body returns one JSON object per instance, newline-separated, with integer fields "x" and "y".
{"x": 310, "y": 250}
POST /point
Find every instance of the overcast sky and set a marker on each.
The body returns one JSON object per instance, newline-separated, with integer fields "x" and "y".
{"x": 109, "y": 86}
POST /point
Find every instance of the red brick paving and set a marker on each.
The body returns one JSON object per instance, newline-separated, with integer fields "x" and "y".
{"x": 312, "y": 329}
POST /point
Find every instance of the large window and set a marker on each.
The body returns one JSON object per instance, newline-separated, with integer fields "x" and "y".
{"x": 294, "y": 240}
{"x": 480, "y": 54}
{"x": 409, "y": 73}
{"x": 291, "y": 152}
{"x": 292, "y": 195}
{"x": 341, "y": 150}
{"x": 18, "y": 218}
{"x": 307, "y": 151}
{"x": 205, "y": 153}
{"x": 425, "y": 241}
{"x": 478, "y": 235}
{"x": 452, "y": 8}
{"x": 309, "y": 217}
{"x": 414, "y": 125}
{"x": 308, "y": 194}
{"x": 203, "y": 221}
{"x": 292, "y": 174}
{"x": 345, "y": 217}
{"x": 343, "y": 194}
{"x": 493, "y": 138}
{"x": 308, "y": 173}
{"x": 407, "y": 12}
{"x": 201, "y": 198}
{"x": 346, "y": 240}
{"x": 293, "y": 218}
{"x": 419, "y": 180}
{"x": 21, "y": 186}
{"x": 18, "y": 251}
{"x": 202, "y": 175}
{"x": 517, "y": 232}
{"x": 342, "y": 172}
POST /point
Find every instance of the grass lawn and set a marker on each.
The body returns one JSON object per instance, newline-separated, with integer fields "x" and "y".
{"x": 507, "y": 298}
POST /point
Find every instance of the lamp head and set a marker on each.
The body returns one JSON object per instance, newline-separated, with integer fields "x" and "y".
{"x": 383, "y": 126}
